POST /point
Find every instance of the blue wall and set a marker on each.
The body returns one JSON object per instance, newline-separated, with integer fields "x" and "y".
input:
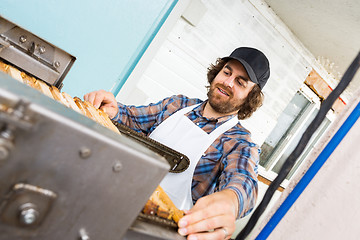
{"x": 107, "y": 37}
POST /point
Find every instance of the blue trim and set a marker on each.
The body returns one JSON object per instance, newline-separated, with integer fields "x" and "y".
{"x": 309, "y": 175}
{"x": 123, "y": 77}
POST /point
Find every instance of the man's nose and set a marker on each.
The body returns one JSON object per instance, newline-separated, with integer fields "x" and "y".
{"x": 229, "y": 82}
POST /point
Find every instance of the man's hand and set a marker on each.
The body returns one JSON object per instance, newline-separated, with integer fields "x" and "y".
{"x": 103, "y": 100}
{"x": 212, "y": 217}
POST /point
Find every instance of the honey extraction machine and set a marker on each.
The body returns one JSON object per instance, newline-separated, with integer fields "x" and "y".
{"x": 62, "y": 175}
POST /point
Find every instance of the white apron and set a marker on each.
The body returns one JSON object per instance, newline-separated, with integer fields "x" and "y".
{"x": 181, "y": 134}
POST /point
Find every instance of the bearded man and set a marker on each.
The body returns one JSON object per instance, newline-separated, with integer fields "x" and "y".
{"x": 220, "y": 184}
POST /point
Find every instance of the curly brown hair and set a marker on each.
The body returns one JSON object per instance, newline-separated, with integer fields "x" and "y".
{"x": 252, "y": 102}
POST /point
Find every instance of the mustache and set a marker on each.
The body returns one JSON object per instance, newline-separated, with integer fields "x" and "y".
{"x": 227, "y": 89}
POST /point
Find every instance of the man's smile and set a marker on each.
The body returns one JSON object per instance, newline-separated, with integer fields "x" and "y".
{"x": 222, "y": 91}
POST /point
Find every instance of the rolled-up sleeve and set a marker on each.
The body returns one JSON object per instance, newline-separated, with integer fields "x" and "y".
{"x": 146, "y": 118}
{"x": 139, "y": 118}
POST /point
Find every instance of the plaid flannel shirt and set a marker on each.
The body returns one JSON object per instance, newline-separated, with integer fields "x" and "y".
{"x": 231, "y": 162}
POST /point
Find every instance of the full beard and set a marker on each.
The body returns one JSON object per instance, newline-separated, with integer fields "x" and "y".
{"x": 220, "y": 105}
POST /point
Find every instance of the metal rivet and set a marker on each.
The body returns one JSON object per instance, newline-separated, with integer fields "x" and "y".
{"x": 28, "y": 214}
{"x": 42, "y": 49}
{"x": 83, "y": 234}
{"x": 117, "y": 167}
{"x": 57, "y": 64}
{"x": 22, "y": 39}
{"x": 85, "y": 152}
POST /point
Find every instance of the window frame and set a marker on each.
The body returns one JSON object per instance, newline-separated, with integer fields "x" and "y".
{"x": 315, "y": 102}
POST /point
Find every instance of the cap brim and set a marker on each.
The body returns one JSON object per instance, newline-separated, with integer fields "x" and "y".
{"x": 247, "y": 67}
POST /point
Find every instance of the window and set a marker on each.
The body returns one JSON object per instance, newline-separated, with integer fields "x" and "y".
{"x": 290, "y": 127}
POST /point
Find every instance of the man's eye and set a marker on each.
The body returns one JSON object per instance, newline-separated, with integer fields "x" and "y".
{"x": 226, "y": 73}
{"x": 241, "y": 83}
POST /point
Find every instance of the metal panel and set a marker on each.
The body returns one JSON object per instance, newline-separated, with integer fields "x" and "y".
{"x": 143, "y": 230}
{"x": 32, "y": 54}
{"x": 65, "y": 176}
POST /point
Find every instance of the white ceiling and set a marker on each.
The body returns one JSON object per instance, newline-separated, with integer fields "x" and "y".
{"x": 329, "y": 29}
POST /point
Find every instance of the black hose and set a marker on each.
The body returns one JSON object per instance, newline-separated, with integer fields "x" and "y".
{"x": 290, "y": 161}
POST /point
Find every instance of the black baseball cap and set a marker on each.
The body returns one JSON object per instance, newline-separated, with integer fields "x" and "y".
{"x": 255, "y": 63}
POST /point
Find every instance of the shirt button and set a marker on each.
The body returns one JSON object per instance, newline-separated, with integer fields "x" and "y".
{"x": 197, "y": 124}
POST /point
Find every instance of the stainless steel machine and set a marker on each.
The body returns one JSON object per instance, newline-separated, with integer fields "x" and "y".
{"x": 62, "y": 175}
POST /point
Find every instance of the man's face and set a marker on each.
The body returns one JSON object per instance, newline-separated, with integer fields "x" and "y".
{"x": 230, "y": 88}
